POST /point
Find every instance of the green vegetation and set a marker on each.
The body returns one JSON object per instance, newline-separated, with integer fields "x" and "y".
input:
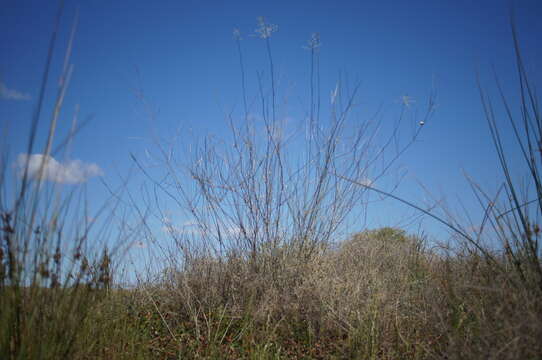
{"x": 262, "y": 277}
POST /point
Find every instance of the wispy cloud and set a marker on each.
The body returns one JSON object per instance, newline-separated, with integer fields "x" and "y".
{"x": 69, "y": 172}
{"x": 11, "y": 94}
{"x": 192, "y": 228}
{"x": 187, "y": 228}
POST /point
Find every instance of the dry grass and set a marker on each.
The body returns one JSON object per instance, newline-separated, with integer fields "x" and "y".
{"x": 380, "y": 295}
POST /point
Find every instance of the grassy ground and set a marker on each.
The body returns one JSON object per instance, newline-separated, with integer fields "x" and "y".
{"x": 380, "y": 295}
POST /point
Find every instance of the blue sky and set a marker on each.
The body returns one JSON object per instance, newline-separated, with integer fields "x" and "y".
{"x": 183, "y": 56}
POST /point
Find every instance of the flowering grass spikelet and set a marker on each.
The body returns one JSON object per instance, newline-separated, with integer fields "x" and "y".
{"x": 313, "y": 43}
{"x": 264, "y": 29}
{"x": 407, "y": 100}
{"x": 237, "y": 34}
{"x": 334, "y": 94}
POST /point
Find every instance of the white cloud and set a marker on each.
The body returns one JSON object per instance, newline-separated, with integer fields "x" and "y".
{"x": 10, "y": 94}
{"x": 69, "y": 172}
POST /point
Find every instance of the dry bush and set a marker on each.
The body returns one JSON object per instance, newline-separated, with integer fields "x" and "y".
{"x": 381, "y": 294}
{"x": 360, "y": 299}
{"x": 265, "y": 206}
